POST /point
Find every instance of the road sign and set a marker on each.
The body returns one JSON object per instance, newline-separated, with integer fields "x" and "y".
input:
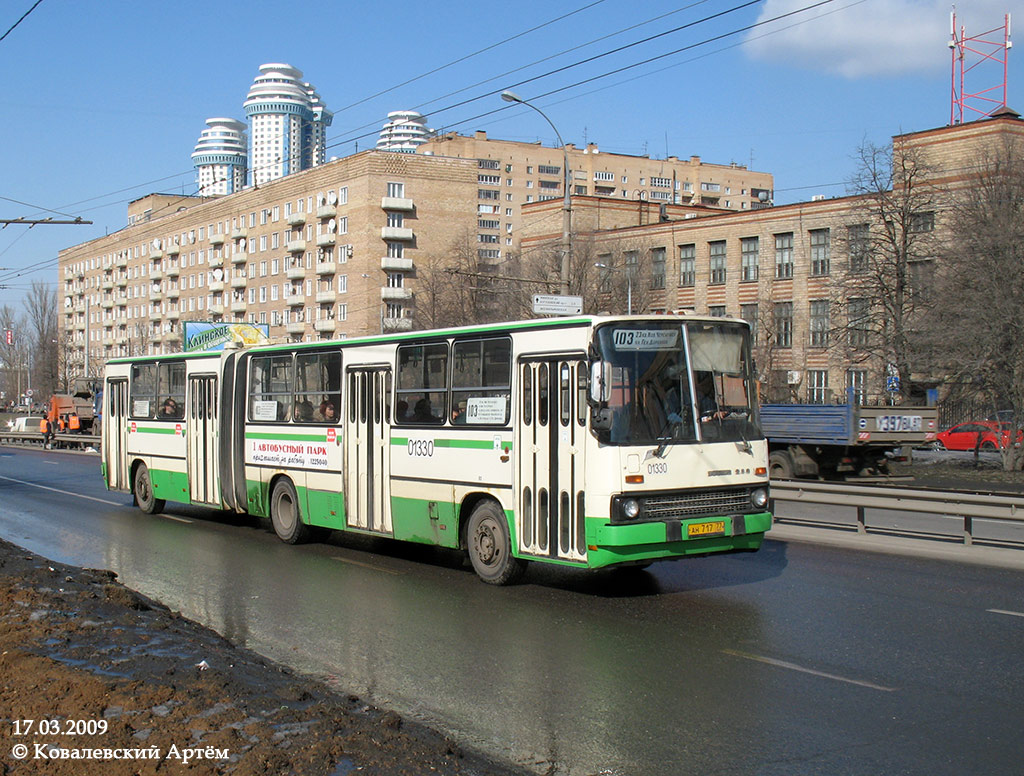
{"x": 553, "y": 304}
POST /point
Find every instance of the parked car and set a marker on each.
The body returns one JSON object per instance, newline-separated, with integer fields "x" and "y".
{"x": 965, "y": 436}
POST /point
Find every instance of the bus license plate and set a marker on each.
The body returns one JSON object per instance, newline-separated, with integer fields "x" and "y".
{"x": 706, "y": 529}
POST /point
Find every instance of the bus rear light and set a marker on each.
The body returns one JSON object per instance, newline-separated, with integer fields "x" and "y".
{"x": 635, "y": 479}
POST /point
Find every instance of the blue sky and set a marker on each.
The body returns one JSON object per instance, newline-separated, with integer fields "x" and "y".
{"x": 104, "y": 101}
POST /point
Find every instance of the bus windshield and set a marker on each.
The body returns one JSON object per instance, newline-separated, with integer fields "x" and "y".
{"x": 664, "y": 382}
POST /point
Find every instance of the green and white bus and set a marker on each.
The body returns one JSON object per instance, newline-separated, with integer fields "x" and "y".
{"x": 586, "y": 441}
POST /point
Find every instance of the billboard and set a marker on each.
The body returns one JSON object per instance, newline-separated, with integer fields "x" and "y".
{"x": 214, "y": 336}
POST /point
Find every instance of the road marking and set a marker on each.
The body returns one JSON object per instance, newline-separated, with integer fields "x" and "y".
{"x": 172, "y": 517}
{"x": 367, "y": 565}
{"x": 62, "y": 492}
{"x": 1005, "y": 611}
{"x": 794, "y": 667}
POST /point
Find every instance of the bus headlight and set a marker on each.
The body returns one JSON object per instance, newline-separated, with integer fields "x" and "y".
{"x": 630, "y": 508}
{"x": 759, "y": 498}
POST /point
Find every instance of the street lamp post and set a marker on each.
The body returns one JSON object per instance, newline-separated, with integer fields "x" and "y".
{"x": 509, "y": 96}
{"x": 629, "y": 284}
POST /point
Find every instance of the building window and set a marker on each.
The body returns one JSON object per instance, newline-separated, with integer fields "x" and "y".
{"x": 856, "y": 384}
{"x": 604, "y": 176}
{"x": 396, "y": 250}
{"x": 748, "y": 312}
{"x": 820, "y": 251}
{"x": 819, "y": 323}
{"x": 396, "y": 219}
{"x": 487, "y": 164}
{"x": 749, "y": 258}
{"x": 817, "y": 386}
{"x": 687, "y": 264}
{"x": 858, "y": 243}
{"x": 657, "y": 267}
{"x": 922, "y": 222}
{"x": 716, "y": 310}
{"x": 396, "y": 190}
{"x": 488, "y": 194}
{"x": 784, "y": 324}
{"x": 716, "y": 252}
{"x": 547, "y": 169}
{"x": 857, "y": 310}
{"x": 489, "y": 180}
{"x": 784, "y": 255}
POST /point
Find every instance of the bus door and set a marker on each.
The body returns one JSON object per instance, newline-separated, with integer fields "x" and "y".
{"x": 551, "y": 440}
{"x": 201, "y": 429}
{"x": 367, "y": 449}
{"x": 115, "y": 443}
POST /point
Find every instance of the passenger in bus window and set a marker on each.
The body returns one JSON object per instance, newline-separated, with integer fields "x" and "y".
{"x": 402, "y": 411}
{"x": 423, "y": 413}
{"x": 304, "y": 411}
{"x": 326, "y": 413}
{"x": 169, "y": 409}
{"x": 459, "y": 414}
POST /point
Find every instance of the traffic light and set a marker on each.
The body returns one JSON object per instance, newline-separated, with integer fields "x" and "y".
{"x": 9, "y": 336}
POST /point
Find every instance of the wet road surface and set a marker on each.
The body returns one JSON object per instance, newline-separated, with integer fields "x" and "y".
{"x": 796, "y": 659}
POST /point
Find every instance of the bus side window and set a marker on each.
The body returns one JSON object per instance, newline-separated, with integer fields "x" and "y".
{"x": 481, "y": 381}
{"x": 423, "y": 383}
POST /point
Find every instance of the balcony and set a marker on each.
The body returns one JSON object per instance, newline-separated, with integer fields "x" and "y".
{"x": 172, "y": 272}
{"x": 121, "y": 262}
{"x": 326, "y": 268}
{"x": 108, "y": 323}
{"x": 216, "y": 240}
{"x": 238, "y": 307}
{"x": 156, "y": 296}
{"x": 107, "y": 285}
{"x": 107, "y": 304}
{"x": 296, "y": 328}
{"x": 156, "y": 253}
{"x": 326, "y": 297}
{"x": 395, "y": 233}
{"x": 389, "y": 294}
{"x": 239, "y": 281}
{"x": 156, "y": 275}
{"x": 173, "y": 293}
{"x": 172, "y": 315}
{"x": 403, "y": 204}
{"x": 215, "y": 261}
{"x": 389, "y": 263}
{"x": 295, "y": 300}
{"x": 295, "y": 246}
{"x": 297, "y": 219}
{"x": 397, "y": 324}
{"x": 121, "y": 282}
{"x": 326, "y": 240}
{"x": 326, "y": 211}
{"x": 238, "y": 258}
{"x": 121, "y": 301}
{"x": 240, "y": 233}
{"x": 295, "y": 273}
{"x": 217, "y": 309}
{"x": 326, "y": 325}
{"x": 173, "y": 250}
{"x": 216, "y": 286}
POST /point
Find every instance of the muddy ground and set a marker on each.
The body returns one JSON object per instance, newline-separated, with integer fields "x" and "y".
{"x": 96, "y": 679}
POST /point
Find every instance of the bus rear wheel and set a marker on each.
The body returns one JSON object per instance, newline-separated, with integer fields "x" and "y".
{"x": 286, "y": 515}
{"x": 490, "y": 547}
{"x": 142, "y": 488}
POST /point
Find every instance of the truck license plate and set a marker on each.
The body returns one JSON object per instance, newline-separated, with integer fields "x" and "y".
{"x": 714, "y": 528}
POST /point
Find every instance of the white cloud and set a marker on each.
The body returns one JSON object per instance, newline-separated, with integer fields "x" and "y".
{"x": 869, "y": 38}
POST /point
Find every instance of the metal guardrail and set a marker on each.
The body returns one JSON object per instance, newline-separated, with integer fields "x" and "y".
{"x": 61, "y": 440}
{"x": 963, "y": 517}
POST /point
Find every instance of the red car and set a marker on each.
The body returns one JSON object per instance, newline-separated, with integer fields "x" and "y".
{"x": 964, "y": 436}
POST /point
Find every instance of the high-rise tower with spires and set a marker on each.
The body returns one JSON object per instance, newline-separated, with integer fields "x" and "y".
{"x": 220, "y": 157}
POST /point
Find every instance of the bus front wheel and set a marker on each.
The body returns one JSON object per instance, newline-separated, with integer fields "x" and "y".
{"x": 285, "y": 513}
{"x": 489, "y": 546}
{"x": 143, "y": 491}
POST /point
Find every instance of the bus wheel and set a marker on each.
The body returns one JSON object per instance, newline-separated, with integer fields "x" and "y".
{"x": 285, "y": 515}
{"x": 143, "y": 490}
{"x": 489, "y": 546}
{"x": 780, "y": 465}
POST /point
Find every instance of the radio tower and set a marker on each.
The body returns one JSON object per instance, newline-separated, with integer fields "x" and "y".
{"x": 990, "y": 50}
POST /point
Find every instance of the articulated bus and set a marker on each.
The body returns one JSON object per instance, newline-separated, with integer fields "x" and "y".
{"x": 587, "y": 441}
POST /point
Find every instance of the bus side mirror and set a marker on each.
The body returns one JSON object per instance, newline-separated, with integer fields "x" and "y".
{"x": 600, "y": 382}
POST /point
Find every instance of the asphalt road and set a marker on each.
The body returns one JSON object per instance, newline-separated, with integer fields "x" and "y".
{"x": 801, "y": 658}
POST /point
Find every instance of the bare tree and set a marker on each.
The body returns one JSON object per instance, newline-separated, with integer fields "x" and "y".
{"x": 880, "y": 293}
{"x": 979, "y": 332}
{"x": 41, "y": 319}
{"x": 12, "y": 356}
